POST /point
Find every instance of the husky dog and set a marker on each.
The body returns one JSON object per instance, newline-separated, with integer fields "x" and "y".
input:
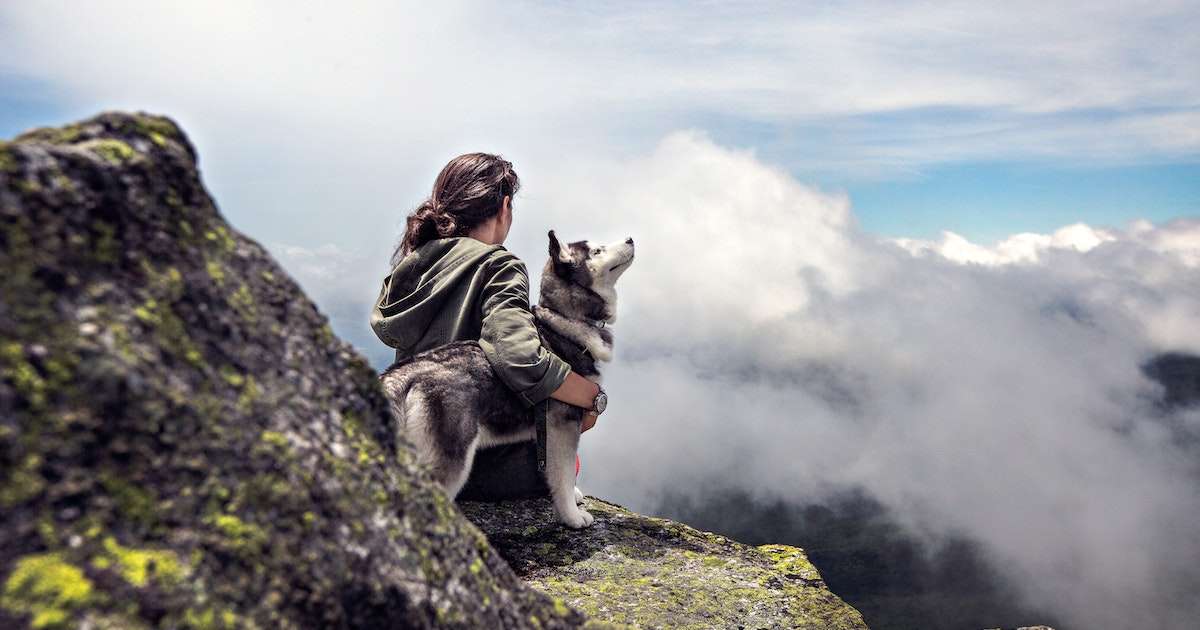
{"x": 449, "y": 403}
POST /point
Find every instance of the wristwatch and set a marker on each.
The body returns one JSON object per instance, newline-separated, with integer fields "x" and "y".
{"x": 600, "y": 402}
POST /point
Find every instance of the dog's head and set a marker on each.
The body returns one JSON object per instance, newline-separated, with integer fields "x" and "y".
{"x": 579, "y": 278}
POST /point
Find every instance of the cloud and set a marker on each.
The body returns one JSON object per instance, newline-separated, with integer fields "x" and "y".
{"x": 766, "y": 344}
{"x": 1025, "y": 247}
{"x": 894, "y": 85}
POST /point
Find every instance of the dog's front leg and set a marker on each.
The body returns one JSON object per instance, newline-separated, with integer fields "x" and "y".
{"x": 562, "y": 441}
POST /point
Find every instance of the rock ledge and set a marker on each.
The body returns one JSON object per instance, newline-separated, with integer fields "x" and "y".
{"x": 654, "y": 573}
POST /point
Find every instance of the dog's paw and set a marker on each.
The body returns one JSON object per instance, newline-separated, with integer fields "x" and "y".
{"x": 578, "y": 519}
{"x": 578, "y": 496}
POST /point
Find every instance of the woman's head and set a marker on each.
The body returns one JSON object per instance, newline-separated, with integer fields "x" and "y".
{"x": 468, "y": 192}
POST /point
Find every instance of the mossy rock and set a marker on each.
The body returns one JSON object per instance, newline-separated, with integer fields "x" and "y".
{"x": 647, "y": 572}
{"x": 183, "y": 443}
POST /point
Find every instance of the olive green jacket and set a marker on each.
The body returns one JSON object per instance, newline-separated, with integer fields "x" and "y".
{"x": 451, "y": 289}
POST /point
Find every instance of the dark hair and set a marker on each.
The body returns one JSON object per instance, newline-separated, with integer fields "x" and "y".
{"x": 469, "y": 190}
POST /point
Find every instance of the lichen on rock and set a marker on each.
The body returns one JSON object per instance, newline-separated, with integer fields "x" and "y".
{"x": 648, "y": 572}
{"x": 183, "y": 442}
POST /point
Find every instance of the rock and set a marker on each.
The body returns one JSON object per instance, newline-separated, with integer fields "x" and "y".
{"x": 183, "y": 441}
{"x": 654, "y": 573}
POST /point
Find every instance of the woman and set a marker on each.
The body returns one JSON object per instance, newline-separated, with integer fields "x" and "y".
{"x": 452, "y": 279}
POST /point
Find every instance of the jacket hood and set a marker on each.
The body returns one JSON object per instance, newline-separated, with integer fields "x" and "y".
{"x": 415, "y": 291}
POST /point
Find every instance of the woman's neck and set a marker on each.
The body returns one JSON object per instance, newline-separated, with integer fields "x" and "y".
{"x": 486, "y": 232}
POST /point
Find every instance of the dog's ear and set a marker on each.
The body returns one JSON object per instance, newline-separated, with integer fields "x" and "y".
{"x": 555, "y": 248}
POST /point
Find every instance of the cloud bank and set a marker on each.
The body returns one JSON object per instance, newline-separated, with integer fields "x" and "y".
{"x": 766, "y": 344}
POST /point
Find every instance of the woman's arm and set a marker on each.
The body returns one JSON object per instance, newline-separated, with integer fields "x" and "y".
{"x": 512, "y": 345}
{"x": 577, "y": 391}
{"x": 510, "y": 340}
{"x": 573, "y": 391}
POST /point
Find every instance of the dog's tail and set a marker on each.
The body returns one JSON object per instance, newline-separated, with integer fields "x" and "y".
{"x": 397, "y": 384}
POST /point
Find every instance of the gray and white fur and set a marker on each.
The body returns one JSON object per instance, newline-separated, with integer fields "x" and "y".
{"x": 449, "y": 402}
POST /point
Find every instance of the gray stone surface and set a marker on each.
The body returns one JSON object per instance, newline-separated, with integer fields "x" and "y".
{"x": 654, "y": 573}
{"x": 183, "y": 441}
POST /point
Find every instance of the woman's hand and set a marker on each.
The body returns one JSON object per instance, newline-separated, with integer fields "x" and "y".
{"x": 589, "y": 421}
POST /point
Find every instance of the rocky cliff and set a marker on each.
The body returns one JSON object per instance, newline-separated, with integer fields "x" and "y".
{"x": 184, "y": 443}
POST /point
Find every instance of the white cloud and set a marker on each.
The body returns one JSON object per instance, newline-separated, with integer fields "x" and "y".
{"x": 1019, "y": 248}
{"x": 765, "y": 343}
{"x": 1110, "y": 81}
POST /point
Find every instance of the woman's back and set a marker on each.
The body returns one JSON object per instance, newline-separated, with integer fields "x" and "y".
{"x": 431, "y": 297}
{"x": 459, "y": 288}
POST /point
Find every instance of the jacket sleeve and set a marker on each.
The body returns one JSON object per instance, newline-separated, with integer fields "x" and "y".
{"x": 509, "y": 337}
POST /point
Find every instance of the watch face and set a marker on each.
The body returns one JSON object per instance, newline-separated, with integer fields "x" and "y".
{"x": 601, "y": 402}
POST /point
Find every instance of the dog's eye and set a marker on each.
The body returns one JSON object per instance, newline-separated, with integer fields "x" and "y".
{"x": 595, "y": 251}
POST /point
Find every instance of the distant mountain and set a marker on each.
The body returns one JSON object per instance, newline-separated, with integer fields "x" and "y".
{"x": 894, "y": 579}
{"x": 1179, "y": 374}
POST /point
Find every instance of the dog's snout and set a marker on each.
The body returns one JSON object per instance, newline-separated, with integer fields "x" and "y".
{"x": 629, "y": 240}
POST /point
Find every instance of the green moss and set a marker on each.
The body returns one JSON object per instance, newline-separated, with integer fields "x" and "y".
{"x": 233, "y": 376}
{"x": 53, "y": 135}
{"x": 193, "y": 356}
{"x": 249, "y": 395}
{"x": 105, "y": 247}
{"x": 243, "y": 303}
{"x": 156, "y": 128}
{"x": 215, "y": 271}
{"x": 168, "y": 330}
{"x": 24, "y": 377}
{"x": 63, "y": 182}
{"x": 24, "y": 483}
{"x": 132, "y": 502}
{"x": 112, "y": 151}
{"x": 139, "y": 566}
{"x": 27, "y": 186}
{"x": 166, "y": 284}
{"x": 148, "y": 312}
{"x": 274, "y": 438}
{"x": 220, "y": 236}
{"x": 207, "y": 619}
{"x": 326, "y": 335}
{"x": 238, "y": 534}
{"x": 8, "y": 163}
{"x": 47, "y": 588}
{"x": 791, "y": 562}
